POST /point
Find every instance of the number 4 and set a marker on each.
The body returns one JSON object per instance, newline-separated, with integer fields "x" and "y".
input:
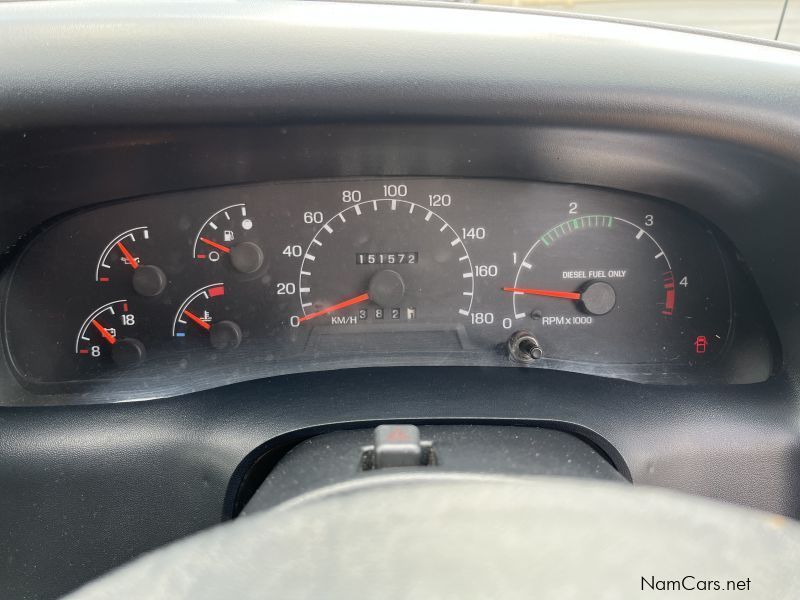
{"x": 684, "y": 282}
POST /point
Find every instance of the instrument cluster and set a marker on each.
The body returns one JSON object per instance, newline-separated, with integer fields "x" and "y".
{"x": 183, "y": 291}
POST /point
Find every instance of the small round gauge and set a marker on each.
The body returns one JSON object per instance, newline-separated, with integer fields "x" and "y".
{"x": 385, "y": 261}
{"x": 601, "y": 288}
{"x": 121, "y": 260}
{"x": 200, "y": 317}
{"x": 108, "y": 333}
{"x": 227, "y": 236}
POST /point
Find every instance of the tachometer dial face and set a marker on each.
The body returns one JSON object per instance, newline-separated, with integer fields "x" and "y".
{"x": 601, "y": 288}
{"x": 385, "y": 261}
{"x": 108, "y": 334}
{"x": 227, "y": 237}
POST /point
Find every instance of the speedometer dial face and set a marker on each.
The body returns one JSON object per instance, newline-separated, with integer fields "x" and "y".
{"x": 385, "y": 260}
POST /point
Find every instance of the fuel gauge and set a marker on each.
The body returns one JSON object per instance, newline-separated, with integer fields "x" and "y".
{"x": 226, "y": 236}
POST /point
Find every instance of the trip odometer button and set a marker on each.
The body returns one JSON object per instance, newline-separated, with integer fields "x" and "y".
{"x": 385, "y": 260}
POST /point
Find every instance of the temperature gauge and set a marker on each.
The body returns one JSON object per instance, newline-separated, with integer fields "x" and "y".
{"x": 107, "y": 332}
{"x": 121, "y": 259}
{"x": 198, "y": 316}
{"x": 225, "y": 237}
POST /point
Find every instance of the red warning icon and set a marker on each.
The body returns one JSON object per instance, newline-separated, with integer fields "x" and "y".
{"x": 701, "y": 344}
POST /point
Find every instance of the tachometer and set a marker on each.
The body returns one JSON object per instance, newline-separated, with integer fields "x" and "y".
{"x": 601, "y": 288}
{"x": 386, "y": 260}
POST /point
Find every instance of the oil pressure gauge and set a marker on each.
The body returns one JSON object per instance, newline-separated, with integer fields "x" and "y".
{"x": 122, "y": 260}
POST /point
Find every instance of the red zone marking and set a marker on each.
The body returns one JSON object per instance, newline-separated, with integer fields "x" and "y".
{"x": 216, "y": 291}
{"x": 669, "y": 285}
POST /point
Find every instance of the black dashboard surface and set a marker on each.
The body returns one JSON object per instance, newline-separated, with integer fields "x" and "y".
{"x": 265, "y": 93}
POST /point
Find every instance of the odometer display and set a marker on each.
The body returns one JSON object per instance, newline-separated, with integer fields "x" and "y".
{"x": 387, "y": 258}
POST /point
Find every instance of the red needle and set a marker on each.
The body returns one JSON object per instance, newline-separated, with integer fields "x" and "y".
{"x": 104, "y": 332}
{"x": 215, "y": 245}
{"x": 131, "y": 261}
{"x": 330, "y": 309}
{"x": 197, "y": 320}
{"x": 549, "y": 293}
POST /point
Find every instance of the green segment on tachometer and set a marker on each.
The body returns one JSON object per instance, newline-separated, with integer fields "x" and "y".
{"x": 573, "y": 224}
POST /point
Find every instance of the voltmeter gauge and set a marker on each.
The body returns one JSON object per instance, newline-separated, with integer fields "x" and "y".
{"x": 202, "y": 316}
{"x": 108, "y": 333}
{"x": 122, "y": 260}
{"x": 228, "y": 236}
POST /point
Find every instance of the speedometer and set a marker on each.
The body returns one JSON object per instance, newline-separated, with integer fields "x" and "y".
{"x": 385, "y": 260}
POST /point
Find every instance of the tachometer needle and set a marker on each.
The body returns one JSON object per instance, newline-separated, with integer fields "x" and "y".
{"x": 104, "y": 332}
{"x": 215, "y": 245}
{"x": 131, "y": 260}
{"x": 330, "y": 309}
{"x": 197, "y": 320}
{"x": 548, "y": 293}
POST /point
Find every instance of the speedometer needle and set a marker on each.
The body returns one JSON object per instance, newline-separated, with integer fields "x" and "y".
{"x": 548, "y": 293}
{"x": 330, "y": 309}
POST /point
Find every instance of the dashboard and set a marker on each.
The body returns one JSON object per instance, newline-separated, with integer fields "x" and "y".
{"x": 213, "y": 250}
{"x": 220, "y": 285}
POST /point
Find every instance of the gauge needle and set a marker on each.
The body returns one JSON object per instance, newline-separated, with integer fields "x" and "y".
{"x": 215, "y": 245}
{"x": 548, "y": 293}
{"x": 197, "y": 320}
{"x": 131, "y": 260}
{"x": 330, "y": 309}
{"x": 104, "y": 332}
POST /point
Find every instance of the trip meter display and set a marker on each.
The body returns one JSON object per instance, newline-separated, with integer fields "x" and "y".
{"x": 234, "y": 283}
